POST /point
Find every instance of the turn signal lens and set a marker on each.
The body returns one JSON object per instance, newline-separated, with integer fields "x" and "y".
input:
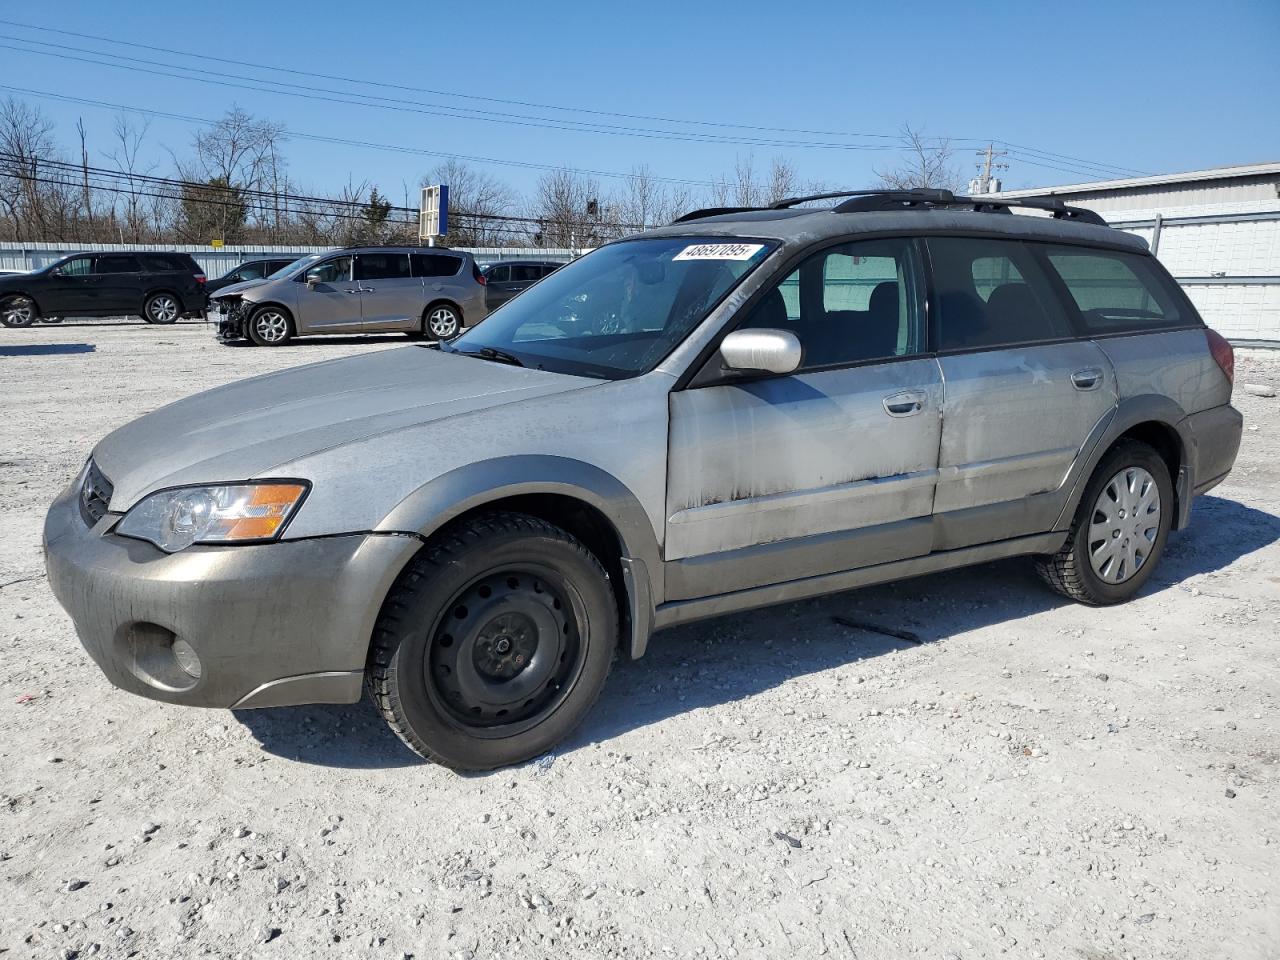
{"x": 230, "y": 513}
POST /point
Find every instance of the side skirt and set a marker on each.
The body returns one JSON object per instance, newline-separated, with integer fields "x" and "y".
{"x": 686, "y": 611}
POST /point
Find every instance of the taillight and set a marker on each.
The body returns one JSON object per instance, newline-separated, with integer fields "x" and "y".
{"x": 201, "y": 279}
{"x": 1223, "y": 354}
{"x": 475, "y": 272}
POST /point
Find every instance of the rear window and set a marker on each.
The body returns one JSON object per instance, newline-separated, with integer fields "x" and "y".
{"x": 1117, "y": 292}
{"x": 992, "y": 293}
{"x": 435, "y": 265}
{"x": 116, "y": 264}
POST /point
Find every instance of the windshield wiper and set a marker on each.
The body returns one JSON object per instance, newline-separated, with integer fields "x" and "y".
{"x": 491, "y": 353}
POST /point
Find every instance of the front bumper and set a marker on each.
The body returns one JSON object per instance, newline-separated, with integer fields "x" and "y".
{"x": 271, "y": 624}
{"x": 230, "y": 319}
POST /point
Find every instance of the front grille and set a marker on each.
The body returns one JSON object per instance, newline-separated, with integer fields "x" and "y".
{"x": 95, "y": 495}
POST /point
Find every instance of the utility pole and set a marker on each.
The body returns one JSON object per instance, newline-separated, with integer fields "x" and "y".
{"x": 985, "y": 181}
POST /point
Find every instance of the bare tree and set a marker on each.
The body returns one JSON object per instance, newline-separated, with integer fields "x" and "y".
{"x": 926, "y": 163}
{"x": 39, "y": 200}
{"x": 477, "y": 201}
{"x": 238, "y": 153}
{"x": 566, "y": 206}
{"x": 643, "y": 201}
{"x": 130, "y": 207}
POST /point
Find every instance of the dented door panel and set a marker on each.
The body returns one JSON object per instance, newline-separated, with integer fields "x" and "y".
{"x": 799, "y": 456}
{"x": 1015, "y": 420}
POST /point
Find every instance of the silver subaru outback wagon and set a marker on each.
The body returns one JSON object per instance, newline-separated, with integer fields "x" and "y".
{"x": 422, "y": 291}
{"x": 743, "y": 408}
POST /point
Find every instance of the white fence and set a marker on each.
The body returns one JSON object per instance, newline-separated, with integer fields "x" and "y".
{"x": 217, "y": 261}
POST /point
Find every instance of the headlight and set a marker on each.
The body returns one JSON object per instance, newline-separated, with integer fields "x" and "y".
{"x": 228, "y": 513}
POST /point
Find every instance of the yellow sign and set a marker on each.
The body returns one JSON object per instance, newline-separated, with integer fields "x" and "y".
{"x": 216, "y": 244}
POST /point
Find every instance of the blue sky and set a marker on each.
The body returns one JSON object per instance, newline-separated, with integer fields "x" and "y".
{"x": 1114, "y": 86}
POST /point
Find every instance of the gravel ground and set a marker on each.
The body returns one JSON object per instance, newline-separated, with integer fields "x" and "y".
{"x": 1033, "y": 779}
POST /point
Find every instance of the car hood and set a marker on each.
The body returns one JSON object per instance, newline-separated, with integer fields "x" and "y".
{"x": 234, "y": 289}
{"x": 242, "y": 430}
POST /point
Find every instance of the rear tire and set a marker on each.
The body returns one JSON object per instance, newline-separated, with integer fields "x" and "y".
{"x": 442, "y": 321}
{"x": 18, "y": 310}
{"x": 269, "y": 326}
{"x": 161, "y": 308}
{"x": 494, "y": 642}
{"x": 1120, "y": 529}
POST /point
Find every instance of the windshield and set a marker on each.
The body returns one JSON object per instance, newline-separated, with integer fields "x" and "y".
{"x": 295, "y": 266}
{"x": 616, "y": 312}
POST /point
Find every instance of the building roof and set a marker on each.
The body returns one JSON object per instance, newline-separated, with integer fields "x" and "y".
{"x": 801, "y": 227}
{"x": 1163, "y": 179}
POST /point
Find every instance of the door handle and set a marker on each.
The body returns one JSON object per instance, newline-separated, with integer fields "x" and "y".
{"x": 353, "y": 291}
{"x": 366, "y": 289}
{"x": 1086, "y": 379}
{"x": 905, "y": 404}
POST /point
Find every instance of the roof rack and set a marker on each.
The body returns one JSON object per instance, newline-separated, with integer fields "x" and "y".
{"x": 870, "y": 201}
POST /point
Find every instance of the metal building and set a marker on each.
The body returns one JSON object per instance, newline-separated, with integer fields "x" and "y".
{"x": 1217, "y": 230}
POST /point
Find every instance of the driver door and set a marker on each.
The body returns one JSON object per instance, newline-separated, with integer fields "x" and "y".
{"x": 777, "y": 478}
{"x": 69, "y": 289}
{"x": 329, "y": 298}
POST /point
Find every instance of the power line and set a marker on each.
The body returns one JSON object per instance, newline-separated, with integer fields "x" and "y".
{"x": 238, "y": 194}
{"x": 453, "y": 113}
{"x": 342, "y": 141}
{"x": 447, "y": 93}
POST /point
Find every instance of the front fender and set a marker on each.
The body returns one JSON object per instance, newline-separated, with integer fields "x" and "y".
{"x": 434, "y": 504}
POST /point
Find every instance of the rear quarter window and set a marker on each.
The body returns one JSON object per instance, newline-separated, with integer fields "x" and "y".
{"x": 1118, "y": 292}
{"x": 435, "y": 265}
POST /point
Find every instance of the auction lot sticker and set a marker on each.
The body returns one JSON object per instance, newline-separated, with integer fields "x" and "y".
{"x": 719, "y": 251}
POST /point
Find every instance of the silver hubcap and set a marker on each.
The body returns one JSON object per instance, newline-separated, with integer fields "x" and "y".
{"x": 164, "y": 309}
{"x": 19, "y": 311}
{"x": 271, "y": 326}
{"x": 442, "y": 322}
{"x": 1124, "y": 525}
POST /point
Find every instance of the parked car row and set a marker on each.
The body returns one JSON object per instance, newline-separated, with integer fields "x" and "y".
{"x": 429, "y": 292}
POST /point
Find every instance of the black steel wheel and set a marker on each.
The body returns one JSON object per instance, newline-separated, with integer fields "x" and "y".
{"x": 494, "y": 642}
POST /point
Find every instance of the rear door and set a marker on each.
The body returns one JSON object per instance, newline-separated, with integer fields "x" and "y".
{"x": 391, "y": 298}
{"x": 118, "y": 290}
{"x": 331, "y": 302}
{"x": 829, "y": 468}
{"x": 1024, "y": 397}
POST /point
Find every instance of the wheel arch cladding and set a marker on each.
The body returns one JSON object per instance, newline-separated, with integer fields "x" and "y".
{"x": 1160, "y": 423}
{"x": 582, "y": 499}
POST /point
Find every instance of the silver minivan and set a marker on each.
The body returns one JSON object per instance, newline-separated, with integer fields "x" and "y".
{"x": 422, "y": 291}
{"x": 743, "y": 408}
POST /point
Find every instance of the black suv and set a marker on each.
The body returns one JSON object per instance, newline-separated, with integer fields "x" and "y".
{"x": 159, "y": 287}
{"x": 249, "y": 270}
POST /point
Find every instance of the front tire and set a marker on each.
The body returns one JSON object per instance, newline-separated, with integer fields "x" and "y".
{"x": 1120, "y": 529}
{"x": 270, "y": 327}
{"x": 162, "y": 309}
{"x": 18, "y": 311}
{"x": 494, "y": 643}
{"x": 442, "y": 322}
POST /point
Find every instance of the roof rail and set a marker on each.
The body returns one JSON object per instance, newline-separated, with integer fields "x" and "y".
{"x": 869, "y": 201}
{"x": 712, "y": 212}
{"x": 1058, "y": 209}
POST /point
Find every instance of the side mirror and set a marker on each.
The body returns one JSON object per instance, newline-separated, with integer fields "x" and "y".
{"x": 313, "y": 277}
{"x": 762, "y": 351}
